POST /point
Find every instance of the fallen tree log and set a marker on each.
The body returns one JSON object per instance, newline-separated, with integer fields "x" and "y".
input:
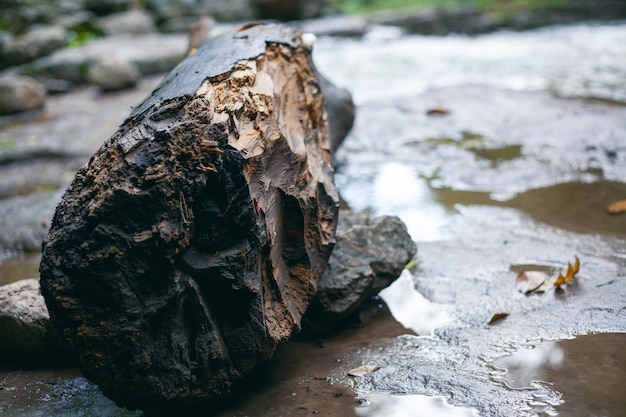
{"x": 191, "y": 244}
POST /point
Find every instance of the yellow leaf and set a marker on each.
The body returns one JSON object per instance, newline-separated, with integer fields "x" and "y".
{"x": 576, "y": 265}
{"x": 560, "y": 280}
{"x": 570, "y": 274}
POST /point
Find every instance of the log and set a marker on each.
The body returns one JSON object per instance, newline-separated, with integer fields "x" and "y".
{"x": 191, "y": 244}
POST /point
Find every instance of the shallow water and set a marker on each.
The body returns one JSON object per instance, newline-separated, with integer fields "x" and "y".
{"x": 585, "y": 370}
{"x": 504, "y": 177}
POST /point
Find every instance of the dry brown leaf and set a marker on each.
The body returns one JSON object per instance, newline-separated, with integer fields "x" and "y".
{"x": 437, "y": 111}
{"x": 497, "y": 317}
{"x": 529, "y": 281}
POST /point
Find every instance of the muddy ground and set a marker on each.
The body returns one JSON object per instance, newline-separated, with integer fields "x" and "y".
{"x": 501, "y": 153}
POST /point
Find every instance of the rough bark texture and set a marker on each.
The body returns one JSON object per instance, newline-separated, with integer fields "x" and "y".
{"x": 191, "y": 244}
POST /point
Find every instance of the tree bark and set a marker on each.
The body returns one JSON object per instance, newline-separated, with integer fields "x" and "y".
{"x": 191, "y": 244}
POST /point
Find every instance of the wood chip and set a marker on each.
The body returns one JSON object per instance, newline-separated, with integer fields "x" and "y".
{"x": 363, "y": 370}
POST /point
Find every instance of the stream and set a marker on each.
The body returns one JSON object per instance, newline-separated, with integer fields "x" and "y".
{"x": 501, "y": 153}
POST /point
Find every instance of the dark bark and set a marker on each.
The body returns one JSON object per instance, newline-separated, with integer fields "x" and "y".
{"x": 191, "y": 244}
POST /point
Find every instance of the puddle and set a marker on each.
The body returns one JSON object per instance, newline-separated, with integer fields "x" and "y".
{"x": 396, "y": 189}
{"x": 412, "y": 309}
{"x": 580, "y": 207}
{"x": 583, "y": 372}
{"x": 387, "y": 405}
{"x": 22, "y": 266}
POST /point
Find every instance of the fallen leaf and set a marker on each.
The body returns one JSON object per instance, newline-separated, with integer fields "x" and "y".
{"x": 617, "y": 207}
{"x": 497, "y": 317}
{"x": 529, "y": 281}
{"x": 437, "y": 111}
{"x": 572, "y": 270}
{"x": 363, "y": 370}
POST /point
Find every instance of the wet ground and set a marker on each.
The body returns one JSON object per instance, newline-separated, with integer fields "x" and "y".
{"x": 501, "y": 153}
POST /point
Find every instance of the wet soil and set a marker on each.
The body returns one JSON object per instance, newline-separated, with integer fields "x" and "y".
{"x": 513, "y": 172}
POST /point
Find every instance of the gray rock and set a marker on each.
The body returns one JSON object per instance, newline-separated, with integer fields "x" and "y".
{"x": 151, "y": 53}
{"x": 18, "y": 94}
{"x": 112, "y": 73}
{"x": 131, "y": 21}
{"x": 341, "y": 25}
{"x": 225, "y": 11}
{"x": 368, "y": 257}
{"x": 340, "y": 108}
{"x": 440, "y": 21}
{"x": 104, "y": 7}
{"x": 288, "y": 9}
{"x": 24, "y": 321}
{"x": 25, "y": 220}
{"x": 38, "y": 42}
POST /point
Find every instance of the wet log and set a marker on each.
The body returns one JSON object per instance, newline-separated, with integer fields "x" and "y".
{"x": 191, "y": 244}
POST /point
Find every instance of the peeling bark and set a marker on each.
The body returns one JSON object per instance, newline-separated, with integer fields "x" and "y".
{"x": 191, "y": 244}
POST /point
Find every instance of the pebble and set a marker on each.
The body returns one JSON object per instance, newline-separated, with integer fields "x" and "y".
{"x": 21, "y": 93}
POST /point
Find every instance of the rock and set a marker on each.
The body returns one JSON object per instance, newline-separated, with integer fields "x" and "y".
{"x": 287, "y": 9}
{"x": 113, "y": 74}
{"x": 342, "y": 25}
{"x": 340, "y": 108}
{"x": 151, "y": 53}
{"x": 19, "y": 15}
{"x": 80, "y": 21}
{"x": 38, "y": 42}
{"x": 129, "y": 22}
{"x": 440, "y": 21}
{"x": 225, "y": 11}
{"x": 19, "y": 93}
{"x": 25, "y": 332}
{"x": 368, "y": 257}
{"x": 105, "y": 7}
{"x": 24, "y": 221}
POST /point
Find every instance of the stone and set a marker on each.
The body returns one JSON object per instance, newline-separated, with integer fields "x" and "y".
{"x": 105, "y": 7}
{"x": 25, "y": 331}
{"x": 128, "y": 22}
{"x": 287, "y": 9}
{"x": 113, "y": 73}
{"x": 38, "y": 42}
{"x": 340, "y": 108}
{"x": 341, "y": 25}
{"x": 20, "y": 93}
{"x": 369, "y": 255}
{"x": 152, "y": 54}
{"x": 224, "y": 11}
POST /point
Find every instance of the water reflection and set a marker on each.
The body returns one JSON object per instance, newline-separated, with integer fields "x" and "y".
{"x": 377, "y": 405}
{"x": 527, "y": 365}
{"x": 580, "y": 375}
{"x": 21, "y": 266}
{"x": 412, "y": 309}
{"x": 396, "y": 189}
